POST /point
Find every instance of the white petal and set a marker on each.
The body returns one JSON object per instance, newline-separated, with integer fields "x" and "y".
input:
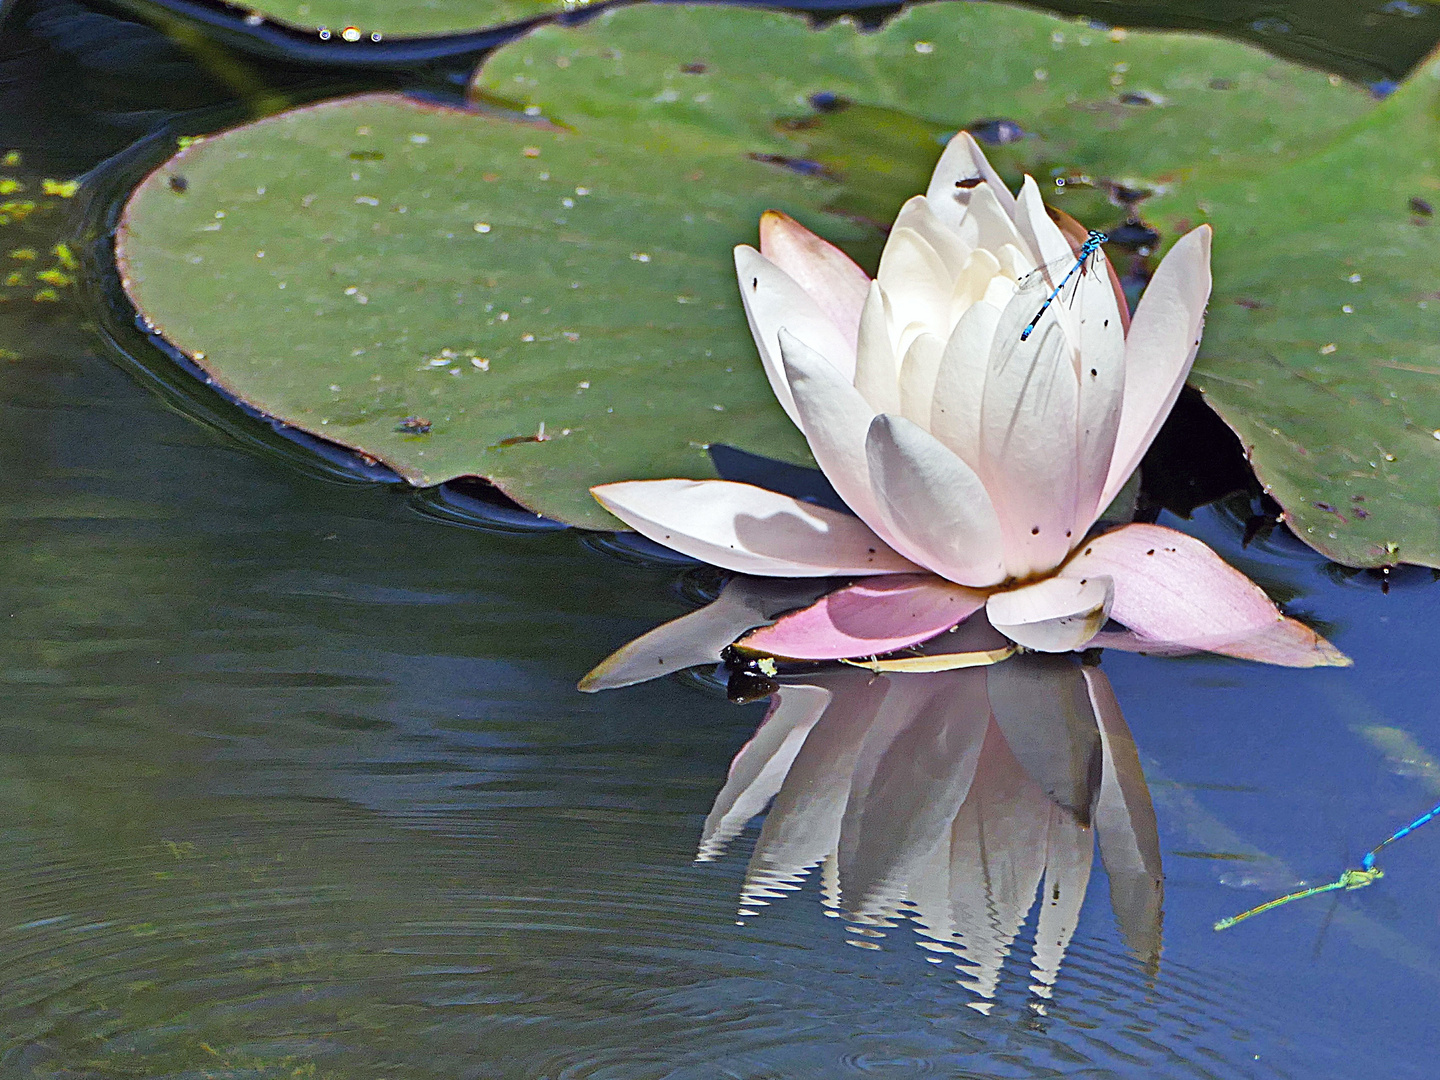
{"x": 1101, "y": 337}
{"x": 1028, "y": 419}
{"x": 960, "y": 382}
{"x": 1164, "y": 337}
{"x": 987, "y": 224}
{"x": 1046, "y": 242}
{"x": 953, "y": 182}
{"x": 773, "y": 299}
{"x": 973, "y": 282}
{"x": 749, "y": 529}
{"x": 917, "y": 378}
{"x": 762, "y": 765}
{"x": 917, "y": 284}
{"x": 835, "y": 419}
{"x": 933, "y": 503}
{"x": 917, "y": 215}
{"x": 1053, "y": 615}
{"x": 877, "y": 370}
{"x": 831, "y": 277}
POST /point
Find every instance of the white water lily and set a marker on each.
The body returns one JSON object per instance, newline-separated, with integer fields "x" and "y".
{"x": 971, "y": 456}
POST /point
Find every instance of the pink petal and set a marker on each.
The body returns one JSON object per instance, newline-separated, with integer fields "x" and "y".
{"x": 1171, "y": 587}
{"x": 830, "y": 276}
{"x": 867, "y": 619}
{"x": 1289, "y": 643}
{"x": 773, "y": 301}
{"x": 1052, "y": 615}
{"x": 952, "y": 182}
{"x": 1159, "y": 349}
{"x": 749, "y": 529}
{"x": 1175, "y": 594}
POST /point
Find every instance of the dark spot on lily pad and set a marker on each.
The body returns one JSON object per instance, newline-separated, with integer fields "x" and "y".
{"x": 827, "y": 102}
{"x": 1421, "y": 206}
{"x": 996, "y": 132}
{"x": 695, "y": 67}
{"x": 414, "y": 425}
{"x": 180, "y": 185}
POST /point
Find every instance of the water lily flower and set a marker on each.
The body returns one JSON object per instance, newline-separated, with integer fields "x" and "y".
{"x": 950, "y": 800}
{"x": 975, "y": 456}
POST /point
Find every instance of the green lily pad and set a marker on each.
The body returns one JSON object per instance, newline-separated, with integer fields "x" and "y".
{"x": 462, "y": 294}
{"x": 437, "y": 284}
{"x": 1322, "y": 349}
{"x": 405, "y": 18}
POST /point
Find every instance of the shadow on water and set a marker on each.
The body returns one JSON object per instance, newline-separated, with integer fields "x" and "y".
{"x": 294, "y": 780}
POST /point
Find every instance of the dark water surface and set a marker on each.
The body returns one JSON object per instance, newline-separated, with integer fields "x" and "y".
{"x": 294, "y": 782}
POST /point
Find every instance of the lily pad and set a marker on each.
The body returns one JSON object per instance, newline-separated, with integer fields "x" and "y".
{"x": 543, "y": 296}
{"x": 1322, "y": 350}
{"x": 403, "y": 18}
{"x": 466, "y": 294}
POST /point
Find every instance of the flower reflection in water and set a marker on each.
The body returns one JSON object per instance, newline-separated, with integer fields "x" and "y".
{"x": 949, "y": 800}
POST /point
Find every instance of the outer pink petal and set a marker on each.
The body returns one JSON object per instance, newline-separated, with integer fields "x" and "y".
{"x": 1289, "y": 643}
{"x": 750, "y": 529}
{"x": 867, "y": 619}
{"x": 1159, "y": 349}
{"x": 1175, "y": 594}
{"x": 830, "y": 276}
{"x": 773, "y": 301}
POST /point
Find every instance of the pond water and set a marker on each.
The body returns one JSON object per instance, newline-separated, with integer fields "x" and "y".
{"x": 295, "y": 780}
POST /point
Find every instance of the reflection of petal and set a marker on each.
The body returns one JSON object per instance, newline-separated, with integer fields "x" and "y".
{"x": 803, "y": 826}
{"x": 868, "y": 618}
{"x": 997, "y": 857}
{"x": 749, "y": 529}
{"x": 1043, "y": 707}
{"x": 762, "y": 764}
{"x": 1125, "y": 827}
{"x": 1069, "y": 851}
{"x": 899, "y": 813}
{"x": 698, "y": 637}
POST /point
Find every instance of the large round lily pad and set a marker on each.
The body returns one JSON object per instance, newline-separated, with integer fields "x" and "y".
{"x": 1322, "y": 349}
{"x": 461, "y": 294}
{"x": 482, "y": 273}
